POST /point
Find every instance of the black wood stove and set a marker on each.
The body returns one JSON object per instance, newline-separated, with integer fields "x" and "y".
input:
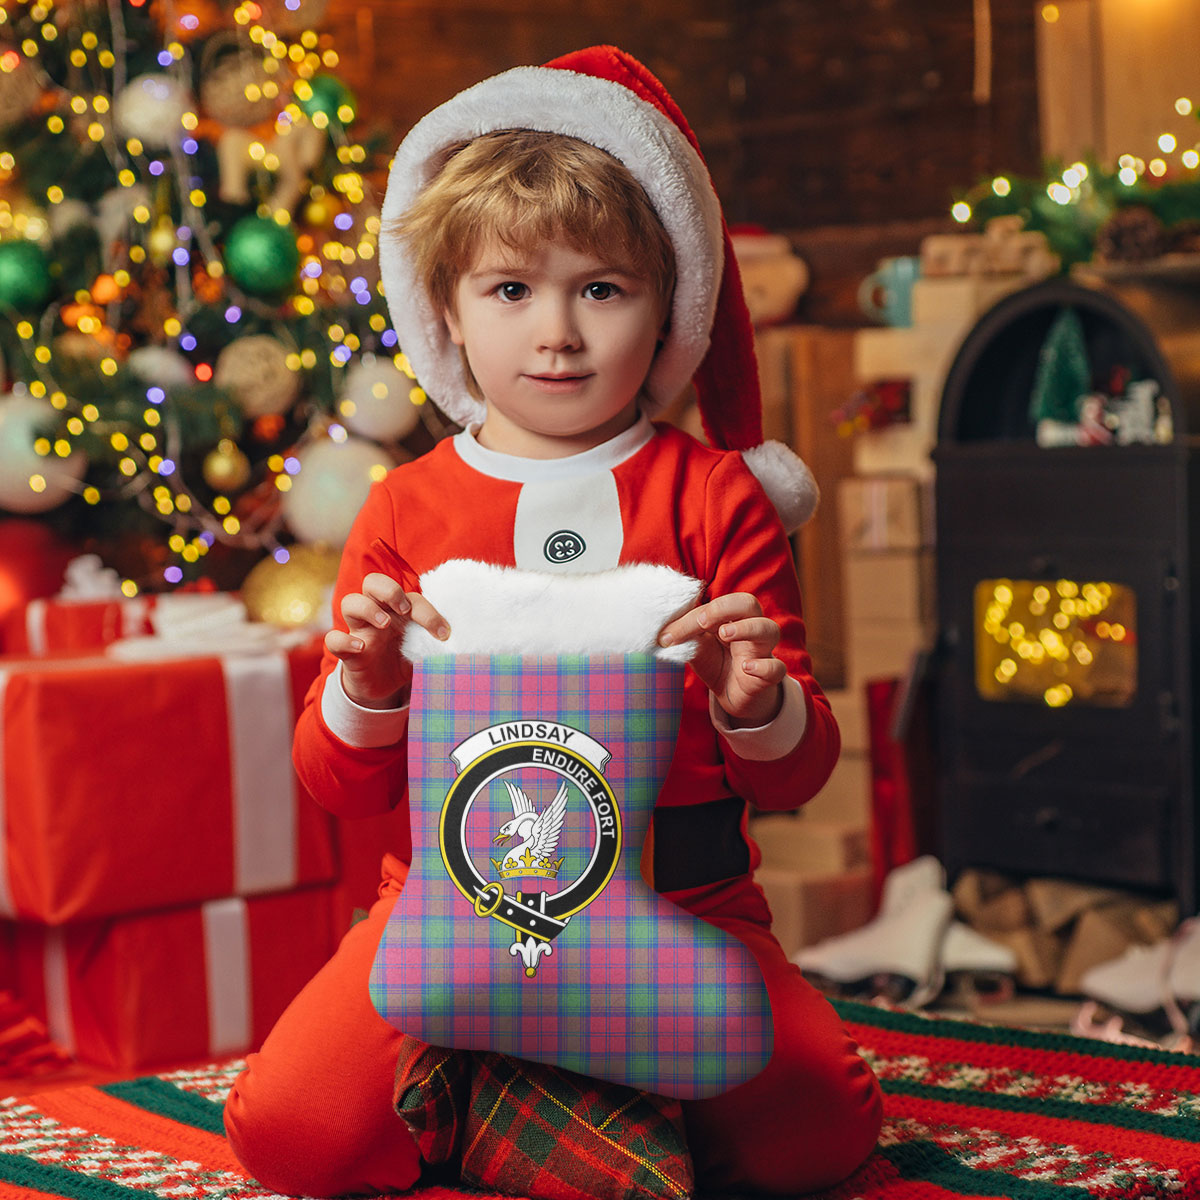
{"x": 1068, "y": 656}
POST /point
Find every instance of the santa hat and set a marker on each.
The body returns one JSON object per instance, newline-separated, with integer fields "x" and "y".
{"x": 607, "y": 98}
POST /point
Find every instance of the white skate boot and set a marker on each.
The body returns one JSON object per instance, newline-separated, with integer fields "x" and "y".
{"x": 898, "y": 953}
{"x": 1156, "y": 988}
{"x": 1135, "y": 982}
{"x": 977, "y": 965}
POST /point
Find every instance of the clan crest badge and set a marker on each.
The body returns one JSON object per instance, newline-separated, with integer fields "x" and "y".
{"x": 551, "y": 773}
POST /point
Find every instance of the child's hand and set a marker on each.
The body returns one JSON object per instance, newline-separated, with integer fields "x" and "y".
{"x": 374, "y": 673}
{"x": 735, "y": 655}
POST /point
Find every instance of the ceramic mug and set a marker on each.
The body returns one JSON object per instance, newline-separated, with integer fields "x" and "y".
{"x": 886, "y": 294}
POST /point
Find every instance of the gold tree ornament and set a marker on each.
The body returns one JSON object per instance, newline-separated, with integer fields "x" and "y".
{"x": 236, "y": 89}
{"x": 75, "y": 346}
{"x": 225, "y": 467}
{"x": 161, "y": 242}
{"x": 255, "y": 370}
{"x": 293, "y": 151}
{"x": 295, "y": 593}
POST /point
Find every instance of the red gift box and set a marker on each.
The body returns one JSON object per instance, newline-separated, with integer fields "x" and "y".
{"x": 131, "y": 786}
{"x": 52, "y": 625}
{"x": 173, "y": 987}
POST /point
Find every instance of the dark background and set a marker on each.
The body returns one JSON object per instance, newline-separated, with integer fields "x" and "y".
{"x": 846, "y": 125}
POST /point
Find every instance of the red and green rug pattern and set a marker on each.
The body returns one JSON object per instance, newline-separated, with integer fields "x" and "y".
{"x": 971, "y": 1110}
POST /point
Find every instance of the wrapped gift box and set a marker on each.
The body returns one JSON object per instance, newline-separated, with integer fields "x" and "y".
{"x": 53, "y": 625}
{"x": 885, "y": 512}
{"x": 887, "y": 586}
{"x": 131, "y": 786}
{"x": 807, "y": 908}
{"x": 184, "y": 985}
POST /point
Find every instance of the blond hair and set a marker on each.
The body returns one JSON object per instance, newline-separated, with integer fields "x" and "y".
{"x": 520, "y": 188}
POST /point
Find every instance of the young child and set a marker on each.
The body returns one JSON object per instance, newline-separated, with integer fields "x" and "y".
{"x": 557, "y": 267}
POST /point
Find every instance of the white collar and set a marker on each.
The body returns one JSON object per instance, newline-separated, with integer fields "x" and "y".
{"x": 514, "y": 469}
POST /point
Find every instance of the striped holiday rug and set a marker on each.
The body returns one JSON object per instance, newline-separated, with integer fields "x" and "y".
{"x": 972, "y": 1110}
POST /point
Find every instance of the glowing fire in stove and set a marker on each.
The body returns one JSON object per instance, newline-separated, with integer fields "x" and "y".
{"x": 1056, "y": 641}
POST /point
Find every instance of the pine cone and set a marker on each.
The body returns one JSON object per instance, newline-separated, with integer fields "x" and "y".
{"x": 1132, "y": 234}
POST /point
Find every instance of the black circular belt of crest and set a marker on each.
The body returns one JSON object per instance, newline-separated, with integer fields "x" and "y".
{"x": 477, "y": 889}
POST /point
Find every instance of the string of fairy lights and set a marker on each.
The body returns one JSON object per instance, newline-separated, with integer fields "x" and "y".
{"x": 1070, "y": 187}
{"x": 302, "y": 257}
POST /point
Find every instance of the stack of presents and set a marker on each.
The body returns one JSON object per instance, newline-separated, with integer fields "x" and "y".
{"x": 823, "y": 869}
{"x": 166, "y": 884}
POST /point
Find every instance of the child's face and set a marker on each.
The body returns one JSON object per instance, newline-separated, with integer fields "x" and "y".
{"x": 559, "y": 342}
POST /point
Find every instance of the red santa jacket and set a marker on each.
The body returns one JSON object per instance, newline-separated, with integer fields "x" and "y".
{"x": 652, "y": 495}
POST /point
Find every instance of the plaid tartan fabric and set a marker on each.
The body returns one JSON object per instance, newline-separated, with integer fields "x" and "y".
{"x": 538, "y": 1131}
{"x": 533, "y": 1130}
{"x": 569, "y": 959}
{"x": 432, "y": 1088}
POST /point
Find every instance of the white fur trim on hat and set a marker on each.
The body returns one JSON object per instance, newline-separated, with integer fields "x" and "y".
{"x": 604, "y": 114}
{"x": 786, "y": 479}
{"x": 506, "y": 610}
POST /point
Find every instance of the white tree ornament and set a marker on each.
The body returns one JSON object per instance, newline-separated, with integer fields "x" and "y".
{"x": 375, "y": 400}
{"x": 31, "y": 482}
{"x": 67, "y": 215}
{"x": 151, "y": 108}
{"x": 162, "y": 366}
{"x": 330, "y": 487}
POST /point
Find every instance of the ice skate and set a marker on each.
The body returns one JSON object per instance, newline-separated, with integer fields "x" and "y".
{"x": 898, "y": 953}
{"x": 976, "y": 965}
{"x": 1153, "y": 989}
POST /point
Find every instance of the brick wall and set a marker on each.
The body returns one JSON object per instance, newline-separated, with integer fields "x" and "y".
{"x": 810, "y": 113}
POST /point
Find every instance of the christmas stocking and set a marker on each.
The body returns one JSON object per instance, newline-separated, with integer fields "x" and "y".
{"x": 525, "y": 926}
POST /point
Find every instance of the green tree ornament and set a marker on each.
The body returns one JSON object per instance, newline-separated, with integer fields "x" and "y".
{"x": 328, "y": 95}
{"x": 24, "y": 275}
{"x": 262, "y": 256}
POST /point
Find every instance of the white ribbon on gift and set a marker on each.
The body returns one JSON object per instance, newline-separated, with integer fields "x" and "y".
{"x": 56, "y": 980}
{"x": 86, "y": 581}
{"x": 258, "y": 695}
{"x": 226, "y": 973}
{"x": 35, "y": 626}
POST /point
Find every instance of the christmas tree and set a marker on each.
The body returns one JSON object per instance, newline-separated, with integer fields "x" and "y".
{"x": 196, "y": 357}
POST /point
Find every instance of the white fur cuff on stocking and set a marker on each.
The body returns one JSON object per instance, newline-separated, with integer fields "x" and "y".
{"x": 503, "y": 610}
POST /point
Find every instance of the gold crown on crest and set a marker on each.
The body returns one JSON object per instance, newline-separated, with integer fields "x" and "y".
{"x": 544, "y": 868}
